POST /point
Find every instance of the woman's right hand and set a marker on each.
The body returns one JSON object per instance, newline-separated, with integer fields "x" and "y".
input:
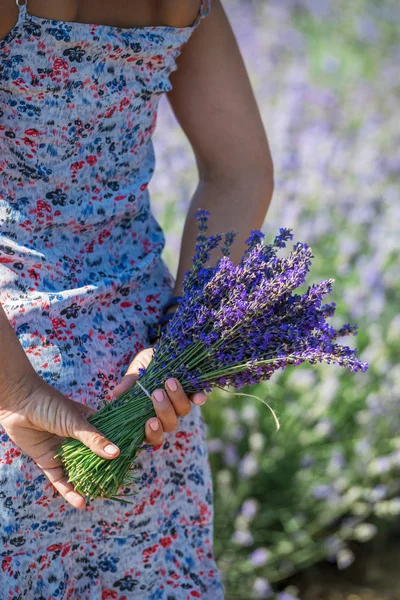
{"x": 37, "y": 418}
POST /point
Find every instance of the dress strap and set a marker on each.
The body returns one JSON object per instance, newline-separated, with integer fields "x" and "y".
{"x": 205, "y": 8}
{"x": 203, "y": 12}
{"x": 22, "y": 8}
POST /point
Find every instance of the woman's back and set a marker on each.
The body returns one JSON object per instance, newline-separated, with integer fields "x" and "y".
{"x": 116, "y": 13}
{"x": 78, "y": 106}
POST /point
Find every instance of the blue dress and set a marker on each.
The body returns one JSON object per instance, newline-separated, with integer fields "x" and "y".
{"x": 81, "y": 282}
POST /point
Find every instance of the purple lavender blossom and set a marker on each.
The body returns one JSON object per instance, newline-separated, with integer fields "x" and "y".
{"x": 248, "y": 466}
{"x": 259, "y": 557}
{"x": 344, "y": 558}
{"x": 321, "y": 492}
{"x": 243, "y": 538}
{"x": 262, "y": 588}
{"x": 235, "y": 325}
{"x": 249, "y": 508}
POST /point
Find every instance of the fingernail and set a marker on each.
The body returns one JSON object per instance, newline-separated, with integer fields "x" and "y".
{"x": 159, "y": 395}
{"x": 110, "y": 449}
{"x": 199, "y": 398}
{"x": 171, "y": 385}
{"x": 154, "y": 425}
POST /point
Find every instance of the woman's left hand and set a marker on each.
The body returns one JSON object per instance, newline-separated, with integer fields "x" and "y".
{"x": 169, "y": 403}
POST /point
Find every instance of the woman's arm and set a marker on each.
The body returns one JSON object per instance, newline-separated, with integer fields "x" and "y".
{"x": 15, "y": 367}
{"x": 37, "y": 417}
{"x": 214, "y": 103}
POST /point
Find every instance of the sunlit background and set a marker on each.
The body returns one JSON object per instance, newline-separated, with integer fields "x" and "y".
{"x": 312, "y": 511}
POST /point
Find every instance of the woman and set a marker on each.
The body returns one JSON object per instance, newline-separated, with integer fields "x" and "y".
{"x": 82, "y": 281}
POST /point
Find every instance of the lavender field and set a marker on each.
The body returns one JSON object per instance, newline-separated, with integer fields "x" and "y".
{"x": 320, "y": 498}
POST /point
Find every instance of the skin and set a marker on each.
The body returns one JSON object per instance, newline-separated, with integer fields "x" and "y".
{"x": 214, "y": 103}
{"x": 122, "y": 13}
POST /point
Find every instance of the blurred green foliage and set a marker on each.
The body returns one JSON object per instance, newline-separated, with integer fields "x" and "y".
{"x": 325, "y": 75}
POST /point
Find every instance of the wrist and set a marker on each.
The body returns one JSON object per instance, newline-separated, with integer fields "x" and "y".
{"x": 167, "y": 314}
{"x": 16, "y": 371}
{"x": 14, "y": 392}
{"x": 172, "y": 304}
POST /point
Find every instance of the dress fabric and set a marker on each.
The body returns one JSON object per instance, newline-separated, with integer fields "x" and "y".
{"x": 81, "y": 282}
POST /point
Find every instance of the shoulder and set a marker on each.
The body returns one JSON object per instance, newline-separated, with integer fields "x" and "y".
{"x": 177, "y": 13}
{"x": 9, "y": 16}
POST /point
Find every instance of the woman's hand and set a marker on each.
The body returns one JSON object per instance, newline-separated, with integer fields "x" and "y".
{"x": 169, "y": 403}
{"x": 37, "y": 417}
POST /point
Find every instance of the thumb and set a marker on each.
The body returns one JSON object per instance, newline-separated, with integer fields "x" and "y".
{"x": 141, "y": 361}
{"x": 85, "y": 410}
{"x": 83, "y": 431}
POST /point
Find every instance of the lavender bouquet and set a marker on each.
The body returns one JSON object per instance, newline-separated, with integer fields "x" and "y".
{"x": 235, "y": 326}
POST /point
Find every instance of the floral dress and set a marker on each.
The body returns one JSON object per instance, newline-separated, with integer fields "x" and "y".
{"x": 82, "y": 281}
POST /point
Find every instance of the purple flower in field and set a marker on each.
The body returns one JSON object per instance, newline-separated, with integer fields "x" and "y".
{"x": 262, "y": 588}
{"x": 214, "y": 446}
{"x": 363, "y": 447}
{"x": 248, "y": 466}
{"x": 330, "y": 64}
{"x": 324, "y": 427}
{"x": 381, "y": 465}
{"x": 231, "y": 455}
{"x": 378, "y": 493}
{"x": 250, "y": 414}
{"x": 249, "y": 508}
{"x": 286, "y": 596}
{"x": 394, "y": 504}
{"x": 259, "y": 557}
{"x": 243, "y": 538}
{"x": 307, "y": 461}
{"x": 344, "y": 558}
{"x": 365, "y": 532}
{"x": 237, "y": 433}
{"x": 332, "y": 545}
{"x": 321, "y": 492}
{"x": 337, "y": 462}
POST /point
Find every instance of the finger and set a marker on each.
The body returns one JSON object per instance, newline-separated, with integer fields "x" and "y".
{"x": 85, "y": 410}
{"x": 154, "y": 432}
{"x": 82, "y": 430}
{"x": 141, "y": 361}
{"x": 198, "y": 398}
{"x": 164, "y": 410}
{"x": 54, "y": 472}
{"x": 177, "y": 396}
{"x": 64, "y": 487}
{"x": 46, "y": 459}
{"x": 45, "y": 449}
{"x": 126, "y": 383}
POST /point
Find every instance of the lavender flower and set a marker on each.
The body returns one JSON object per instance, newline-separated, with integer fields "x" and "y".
{"x": 235, "y": 325}
{"x": 249, "y": 508}
{"x": 259, "y": 557}
{"x": 262, "y": 588}
{"x": 243, "y": 538}
{"x": 344, "y": 558}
